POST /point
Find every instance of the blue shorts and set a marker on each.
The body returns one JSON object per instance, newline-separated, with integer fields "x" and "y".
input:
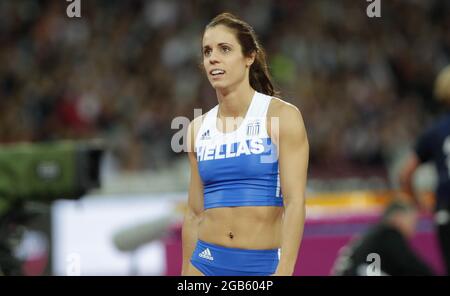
{"x": 216, "y": 260}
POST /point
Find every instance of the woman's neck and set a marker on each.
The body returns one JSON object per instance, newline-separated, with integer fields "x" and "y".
{"x": 235, "y": 103}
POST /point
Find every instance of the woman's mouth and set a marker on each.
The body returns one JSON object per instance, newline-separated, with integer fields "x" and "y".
{"x": 217, "y": 73}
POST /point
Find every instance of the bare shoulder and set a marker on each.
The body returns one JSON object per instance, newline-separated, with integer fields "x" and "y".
{"x": 288, "y": 113}
{"x": 196, "y": 123}
{"x": 193, "y": 129}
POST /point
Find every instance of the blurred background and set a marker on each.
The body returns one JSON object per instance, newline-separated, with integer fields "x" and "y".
{"x": 120, "y": 74}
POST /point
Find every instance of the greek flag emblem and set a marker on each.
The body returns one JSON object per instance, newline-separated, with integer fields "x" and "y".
{"x": 253, "y": 128}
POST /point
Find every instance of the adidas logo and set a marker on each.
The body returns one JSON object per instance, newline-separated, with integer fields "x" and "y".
{"x": 206, "y": 254}
{"x": 205, "y": 136}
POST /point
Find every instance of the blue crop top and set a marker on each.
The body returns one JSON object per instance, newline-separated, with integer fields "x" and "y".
{"x": 239, "y": 168}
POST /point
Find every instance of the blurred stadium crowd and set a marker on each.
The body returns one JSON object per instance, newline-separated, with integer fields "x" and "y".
{"x": 125, "y": 69}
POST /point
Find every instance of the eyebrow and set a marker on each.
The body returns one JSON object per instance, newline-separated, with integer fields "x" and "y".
{"x": 224, "y": 43}
{"x": 220, "y": 44}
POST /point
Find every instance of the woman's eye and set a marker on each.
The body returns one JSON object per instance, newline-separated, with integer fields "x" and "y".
{"x": 207, "y": 52}
{"x": 225, "y": 49}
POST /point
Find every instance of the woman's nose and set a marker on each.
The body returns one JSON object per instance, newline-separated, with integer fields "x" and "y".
{"x": 213, "y": 59}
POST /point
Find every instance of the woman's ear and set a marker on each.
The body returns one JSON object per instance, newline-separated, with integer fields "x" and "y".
{"x": 251, "y": 59}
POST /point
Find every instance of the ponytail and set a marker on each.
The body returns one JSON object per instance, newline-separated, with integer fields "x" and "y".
{"x": 260, "y": 78}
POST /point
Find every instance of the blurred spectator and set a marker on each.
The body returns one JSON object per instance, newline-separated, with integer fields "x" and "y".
{"x": 434, "y": 146}
{"x": 388, "y": 240}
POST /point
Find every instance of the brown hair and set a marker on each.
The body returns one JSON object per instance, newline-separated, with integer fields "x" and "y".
{"x": 260, "y": 78}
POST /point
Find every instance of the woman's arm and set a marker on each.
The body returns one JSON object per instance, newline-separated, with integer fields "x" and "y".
{"x": 293, "y": 149}
{"x": 194, "y": 207}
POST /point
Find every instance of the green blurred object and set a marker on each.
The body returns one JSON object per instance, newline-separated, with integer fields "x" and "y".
{"x": 48, "y": 171}
{"x": 39, "y": 173}
{"x": 283, "y": 69}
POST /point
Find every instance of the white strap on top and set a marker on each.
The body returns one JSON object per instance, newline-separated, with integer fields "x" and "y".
{"x": 207, "y": 123}
{"x": 261, "y": 106}
{"x": 257, "y": 111}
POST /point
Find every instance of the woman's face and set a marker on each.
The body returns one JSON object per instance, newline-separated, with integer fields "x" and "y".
{"x": 224, "y": 63}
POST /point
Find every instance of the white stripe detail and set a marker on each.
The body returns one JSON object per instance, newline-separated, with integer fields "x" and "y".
{"x": 277, "y": 193}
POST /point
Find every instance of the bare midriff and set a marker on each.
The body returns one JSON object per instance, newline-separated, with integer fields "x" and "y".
{"x": 250, "y": 227}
